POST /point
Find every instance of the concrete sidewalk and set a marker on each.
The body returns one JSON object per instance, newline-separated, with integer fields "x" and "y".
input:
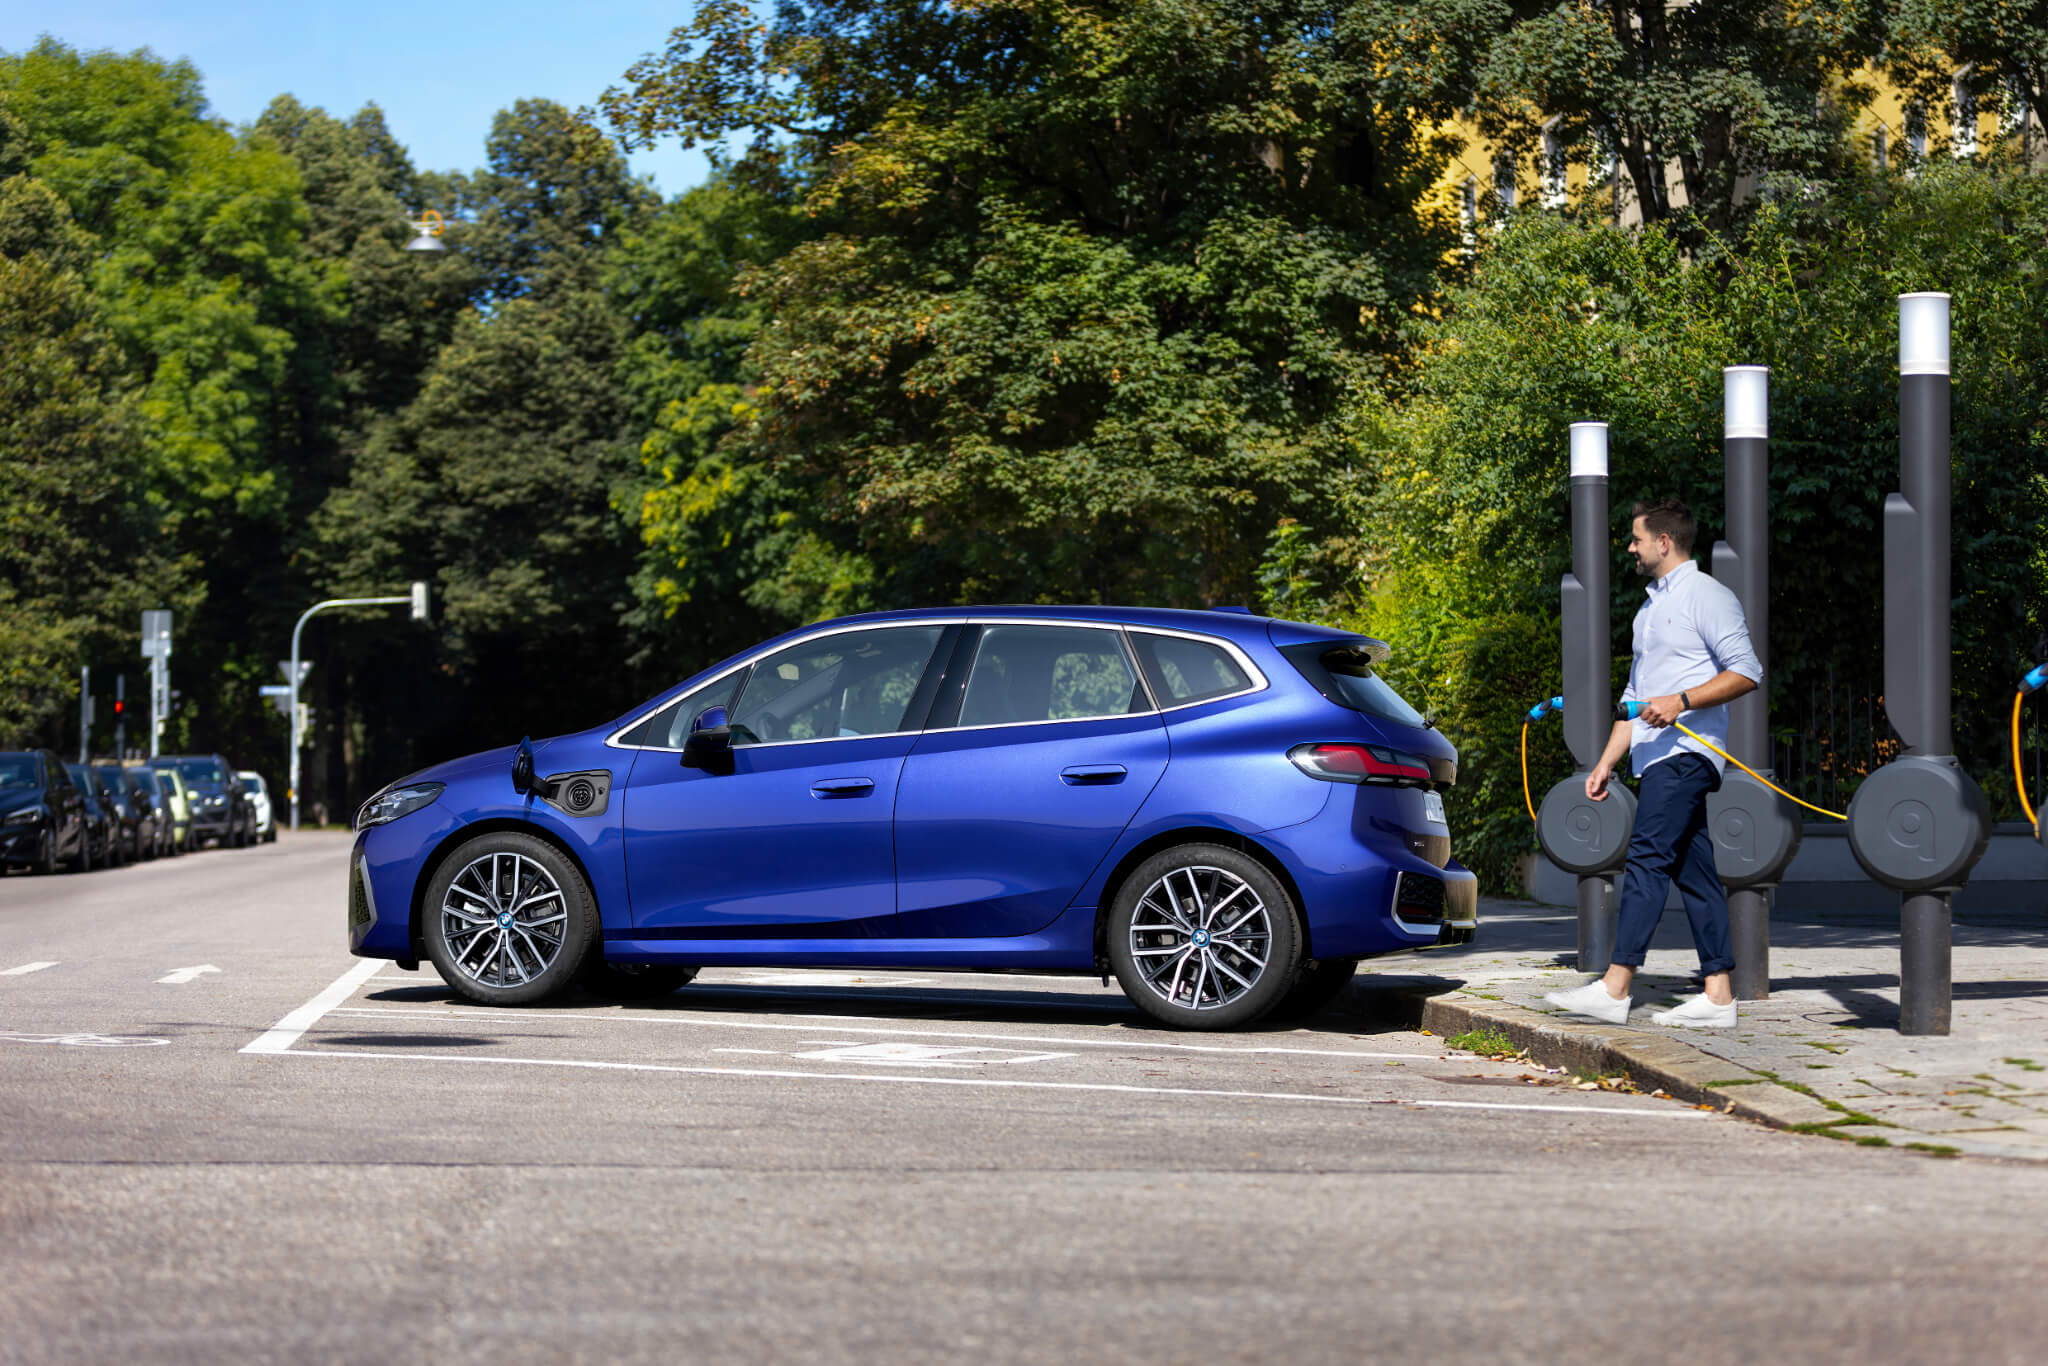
{"x": 1823, "y": 1054}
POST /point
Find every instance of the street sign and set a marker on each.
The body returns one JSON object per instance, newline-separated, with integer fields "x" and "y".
{"x": 156, "y": 635}
{"x": 275, "y": 690}
{"x": 419, "y": 600}
{"x": 284, "y": 669}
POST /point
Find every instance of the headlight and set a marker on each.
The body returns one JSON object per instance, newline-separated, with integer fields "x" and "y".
{"x": 25, "y": 815}
{"x": 399, "y": 801}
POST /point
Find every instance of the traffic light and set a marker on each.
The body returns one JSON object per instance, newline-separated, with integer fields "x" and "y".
{"x": 120, "y": 707}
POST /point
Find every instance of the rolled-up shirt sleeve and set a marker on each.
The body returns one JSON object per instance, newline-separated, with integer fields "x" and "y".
{"x": 1726, "y": 636}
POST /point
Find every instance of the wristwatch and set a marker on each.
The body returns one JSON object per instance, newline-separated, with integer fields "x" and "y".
{"x": 1684, "y": 701}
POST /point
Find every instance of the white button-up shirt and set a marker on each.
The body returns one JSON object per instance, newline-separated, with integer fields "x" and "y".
{"x": 1690, "y": 629}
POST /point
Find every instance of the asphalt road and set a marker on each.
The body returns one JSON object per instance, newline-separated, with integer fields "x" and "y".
{"x": 223, "y": 1139}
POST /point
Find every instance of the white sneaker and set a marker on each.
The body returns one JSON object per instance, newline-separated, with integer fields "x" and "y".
{"x": 1698, "y": 1013}
{"x": 1592, "y": 999}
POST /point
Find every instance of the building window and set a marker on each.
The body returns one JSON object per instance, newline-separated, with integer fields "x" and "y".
{"x": 1963, "y": 114}
{"x": 1879, "y": 146}
{"x": 1916, "y": 129}
{"x": 1504, "y": 181}
{"x": 1468, "y": 212}
{"x": 2012, "y": 107}
{"x": 1553, "y": 169}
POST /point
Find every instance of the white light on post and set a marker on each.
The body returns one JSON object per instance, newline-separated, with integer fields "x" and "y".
{"x": 1745, "y": 401}
{"x": 419, "y": 600}
{"x": 1589, "y": 450}
{"x": 1923, "y": 334}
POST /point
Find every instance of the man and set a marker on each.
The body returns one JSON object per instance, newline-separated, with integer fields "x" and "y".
{"x": 1692, "y": 658}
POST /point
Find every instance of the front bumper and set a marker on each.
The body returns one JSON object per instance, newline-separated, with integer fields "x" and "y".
{"x": 22, "y": 843}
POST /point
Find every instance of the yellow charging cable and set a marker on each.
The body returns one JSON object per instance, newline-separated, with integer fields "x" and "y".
{"x": 1530, "y": 801}
{"x": 2036, "y": 677}
{"x": 1756, "y": 775}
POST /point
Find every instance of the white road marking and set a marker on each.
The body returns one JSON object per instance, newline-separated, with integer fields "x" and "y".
{"x": 177, "y": 977}
{"x": 776, "y": 1073}
{"x": 921, "y": 1054}
{"x": 285, "y": 1032}
{"x": 1138, "y": 1043}
{"x": 87, "y": 1040}
{"x": 25, "y": 969}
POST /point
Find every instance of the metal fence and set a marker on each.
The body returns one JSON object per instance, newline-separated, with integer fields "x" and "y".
{"x": 1834, "y": 732}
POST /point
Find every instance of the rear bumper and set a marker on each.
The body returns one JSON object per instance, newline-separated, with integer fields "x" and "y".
{"x": 1365, "y": 889}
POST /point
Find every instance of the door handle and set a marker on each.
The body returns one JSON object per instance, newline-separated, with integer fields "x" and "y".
{"x": 842, "y": 787}
{"x": 1092, "y": 775}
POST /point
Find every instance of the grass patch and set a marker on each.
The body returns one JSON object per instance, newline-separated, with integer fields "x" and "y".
{"x": 1488, "y": 1041}
{"x": 1735, "y": 1081}
{"x": 1824, "y": 1047}
{"x": 2026, "y": 1064}
{"x": 1934, "y": 1149}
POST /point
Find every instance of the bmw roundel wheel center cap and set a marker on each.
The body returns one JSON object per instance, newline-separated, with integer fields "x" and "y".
{"x": 1200, "y": 939}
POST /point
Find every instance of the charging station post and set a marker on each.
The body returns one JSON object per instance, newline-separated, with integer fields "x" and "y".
{"x": 1580, "y": 835}
{"x": 1755, "y": 831}
{"x": 1919, "y": 823}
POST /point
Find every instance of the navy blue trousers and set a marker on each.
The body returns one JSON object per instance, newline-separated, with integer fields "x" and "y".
{"x": 1671, "y": 840}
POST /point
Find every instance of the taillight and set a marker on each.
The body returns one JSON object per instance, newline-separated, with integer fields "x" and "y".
{"x": 1376, "y": 764}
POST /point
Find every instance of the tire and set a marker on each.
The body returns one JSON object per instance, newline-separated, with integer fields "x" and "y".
{"x": 489, "y": 913}
{"x": 47, "y": 864}
{"x": 1317, "y": 986}
{"x": 631, "y": 981}
{"x": 1180, "y": 909}
{"x": 83, "y": 863}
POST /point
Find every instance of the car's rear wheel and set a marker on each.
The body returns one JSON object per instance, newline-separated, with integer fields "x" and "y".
{"x": 632, "y": 981}
{"x": 508, "y": 919}
{"x": 1204, "y": 937}
{"x": 1317, "y": 986}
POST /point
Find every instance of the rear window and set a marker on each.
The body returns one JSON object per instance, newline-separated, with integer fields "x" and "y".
{"x": 1343, "y": 673}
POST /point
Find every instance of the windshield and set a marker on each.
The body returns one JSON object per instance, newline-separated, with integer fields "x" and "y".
{"x": 18, "y": 773}
{"x": 200, "y": 770}
{"x": 116, "y": 779}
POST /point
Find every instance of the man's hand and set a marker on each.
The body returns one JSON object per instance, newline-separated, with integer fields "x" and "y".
{"x": 1662, "y": 711}
{"x": 1596, "y": 781}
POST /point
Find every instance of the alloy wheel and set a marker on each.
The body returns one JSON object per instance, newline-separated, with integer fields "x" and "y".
{"x": 504, "y": 920}
{"x": 1201, "y": 937}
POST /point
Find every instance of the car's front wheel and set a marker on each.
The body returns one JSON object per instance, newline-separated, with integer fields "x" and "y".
{"x": 508, "y": 919}
{"x": 1204, "y": 937}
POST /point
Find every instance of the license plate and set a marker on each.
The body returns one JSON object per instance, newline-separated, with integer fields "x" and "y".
{"x": 1433, "y": 808}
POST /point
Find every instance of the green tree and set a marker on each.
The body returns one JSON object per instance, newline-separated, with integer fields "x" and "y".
{"x": 2000, "y": 45}
{"x": 1731, "y": 92}
{"x": 1088, "y": 292}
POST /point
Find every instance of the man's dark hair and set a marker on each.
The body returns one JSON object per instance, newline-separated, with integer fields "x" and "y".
{"x": 1669, "y": 517}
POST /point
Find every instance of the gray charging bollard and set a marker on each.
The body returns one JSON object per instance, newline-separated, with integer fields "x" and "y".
{"x": 1756, "y": 832}
{"x": 1580, "y": 835}
{"x": 1920, "y": 823}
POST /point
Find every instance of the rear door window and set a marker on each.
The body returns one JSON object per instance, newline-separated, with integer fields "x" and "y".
{"x": 1023, "y": 674}
{"x": 1185, "y": 671}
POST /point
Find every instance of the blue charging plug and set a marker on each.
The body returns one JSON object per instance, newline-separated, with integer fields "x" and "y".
{"x": 2036, "y": 676}
{"x": 1627, "y": 711}
{"x": 1541, "y": 709}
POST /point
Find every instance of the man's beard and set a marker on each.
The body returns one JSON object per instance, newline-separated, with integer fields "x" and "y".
{"x": 1643, "y": 570}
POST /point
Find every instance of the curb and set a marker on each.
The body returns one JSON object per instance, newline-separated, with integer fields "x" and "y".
{"x": 1649, "y": 1062}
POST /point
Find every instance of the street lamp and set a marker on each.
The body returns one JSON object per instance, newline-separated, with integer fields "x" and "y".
{"x": 416, "y": 600}
{"x": 428, "y": 226}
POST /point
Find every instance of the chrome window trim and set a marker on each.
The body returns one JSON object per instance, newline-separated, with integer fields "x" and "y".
{"x": 1230, "y": 647}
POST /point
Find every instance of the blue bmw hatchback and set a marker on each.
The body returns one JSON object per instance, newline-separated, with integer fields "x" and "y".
{"x": 1225, "y": 811}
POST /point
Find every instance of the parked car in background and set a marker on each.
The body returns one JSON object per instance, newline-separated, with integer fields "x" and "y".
{"x": 259, "y": 798}
{"x": 42, "y": 814}
{"x": 220, "y": 810}
{"x": 137, "y": 814}
{"x": 1226, "y": 812}
{"x": 102, "y": 818}
{"x": 152, "y": 821}
{"x": 179, "y": 798}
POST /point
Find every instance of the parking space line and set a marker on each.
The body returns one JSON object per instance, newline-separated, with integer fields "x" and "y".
{"x": 286, "y": 1032}
{"x": 812, "y": 1022}
{"x": 1005, "y": 1083}
{"x": 25, "y": 969}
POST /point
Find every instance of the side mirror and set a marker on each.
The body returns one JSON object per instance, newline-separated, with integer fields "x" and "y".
{"x": 709, "y": 749}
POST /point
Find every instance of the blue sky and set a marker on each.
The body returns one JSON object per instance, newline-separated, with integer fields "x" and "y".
{"x": 439, "y": 68}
